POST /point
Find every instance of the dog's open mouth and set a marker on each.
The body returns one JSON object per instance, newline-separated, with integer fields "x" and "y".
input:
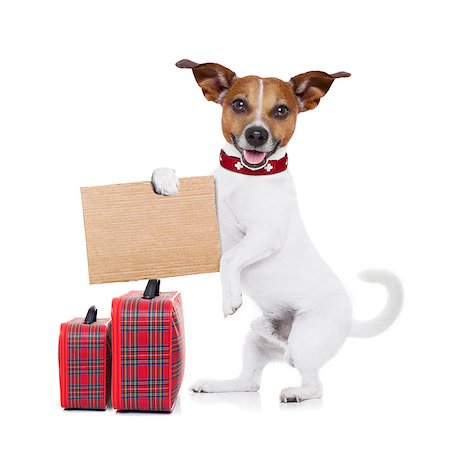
{"x": 254, "y": 159}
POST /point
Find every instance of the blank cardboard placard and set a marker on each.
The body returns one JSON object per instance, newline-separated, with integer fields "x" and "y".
{"x": 132, "y": 233}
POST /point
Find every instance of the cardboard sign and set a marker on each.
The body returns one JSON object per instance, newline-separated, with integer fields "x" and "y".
{"x": 132, "y": 233}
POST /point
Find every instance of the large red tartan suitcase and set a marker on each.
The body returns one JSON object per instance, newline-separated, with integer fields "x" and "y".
{"x": 148, "y": 349}
{"x": 84, "y": 354}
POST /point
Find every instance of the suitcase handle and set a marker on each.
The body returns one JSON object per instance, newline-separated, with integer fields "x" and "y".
{"x": 91, "y": 315}
{"x": 152, "y": 289}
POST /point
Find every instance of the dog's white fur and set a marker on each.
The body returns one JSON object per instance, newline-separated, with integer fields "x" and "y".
{"x": 267, "y": 254}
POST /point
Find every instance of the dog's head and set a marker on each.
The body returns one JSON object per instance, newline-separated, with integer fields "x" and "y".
{"x": 259, "y": 114}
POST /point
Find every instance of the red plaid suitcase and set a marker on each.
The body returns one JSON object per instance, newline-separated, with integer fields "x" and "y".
{"x": 84, "y": 355}
{"x": 148, "y": 349}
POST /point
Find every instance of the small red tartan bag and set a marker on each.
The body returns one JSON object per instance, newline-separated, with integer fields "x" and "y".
{"x": 148, "y": 349}
{"x": 85, "y": 362}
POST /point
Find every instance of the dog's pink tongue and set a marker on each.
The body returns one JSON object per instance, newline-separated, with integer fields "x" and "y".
{"x": 254, "y": 157}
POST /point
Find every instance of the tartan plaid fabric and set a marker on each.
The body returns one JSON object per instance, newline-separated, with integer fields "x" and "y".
{"x": 85, "y": 364}
{"x": 148, "y": 351}
{"x": 177, "y": 347}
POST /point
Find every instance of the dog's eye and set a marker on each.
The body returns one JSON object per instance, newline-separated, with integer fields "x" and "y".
{"x": 239, "y": 105}
{"x": 281, "y": 111}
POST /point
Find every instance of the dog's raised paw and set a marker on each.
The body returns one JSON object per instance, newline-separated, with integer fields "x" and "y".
{"x": 231, "y": 304}
{"x": 165, "y": 181}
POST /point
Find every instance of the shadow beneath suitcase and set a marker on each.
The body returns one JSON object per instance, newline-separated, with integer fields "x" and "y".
{"x": 245, "y": 401}
{"x": 84, "y": 410}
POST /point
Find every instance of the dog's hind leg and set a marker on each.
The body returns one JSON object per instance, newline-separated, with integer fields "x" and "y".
{"x": 264, "y": 327}
{"x": 313, "y": 341}
{"x": 258, "y": 351}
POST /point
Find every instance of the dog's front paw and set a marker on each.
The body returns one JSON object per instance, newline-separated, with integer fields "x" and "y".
{"x": 231, "y": 303}
{"x": 165, "y": 181}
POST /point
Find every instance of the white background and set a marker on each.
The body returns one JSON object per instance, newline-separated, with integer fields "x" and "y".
{"x": 90, "y": 95}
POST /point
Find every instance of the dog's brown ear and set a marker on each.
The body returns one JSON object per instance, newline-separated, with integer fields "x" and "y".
{"x": 214, "y": 79}
{"x": 310, "y": 87}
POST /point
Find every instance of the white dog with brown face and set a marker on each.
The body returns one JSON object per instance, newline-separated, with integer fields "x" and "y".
{"x": 266, "y": 252}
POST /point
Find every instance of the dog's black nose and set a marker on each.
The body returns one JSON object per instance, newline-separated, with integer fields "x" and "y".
{"x": 256, "y": 136}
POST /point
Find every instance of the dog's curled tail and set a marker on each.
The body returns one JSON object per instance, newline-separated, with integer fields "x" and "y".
{"x": 381, "y": 322}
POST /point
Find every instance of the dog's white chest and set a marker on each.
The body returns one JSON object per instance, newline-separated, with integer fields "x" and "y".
{"x": 245, "y": 202}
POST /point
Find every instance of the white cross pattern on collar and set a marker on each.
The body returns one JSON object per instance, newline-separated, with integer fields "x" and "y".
{"x": 238, "y": 165}
{"x": 268, "y": 167}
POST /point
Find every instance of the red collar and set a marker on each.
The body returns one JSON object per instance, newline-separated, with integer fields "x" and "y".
{"x": 237, "y": 165}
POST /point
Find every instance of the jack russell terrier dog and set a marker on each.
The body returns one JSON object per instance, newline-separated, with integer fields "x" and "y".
{"x": 266, "y": 251}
